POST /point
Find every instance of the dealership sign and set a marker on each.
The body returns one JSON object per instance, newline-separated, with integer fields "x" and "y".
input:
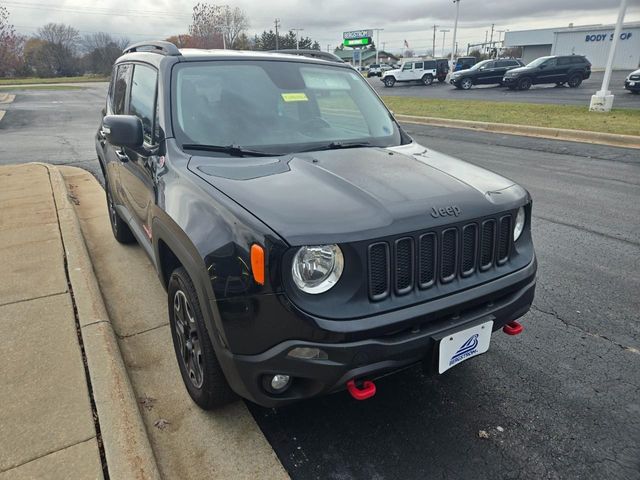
{"x": 357, "y": 38}
{"x": 600, "y": 37}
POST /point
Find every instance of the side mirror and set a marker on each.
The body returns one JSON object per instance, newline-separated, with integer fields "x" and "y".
{"x": 123, "y": 130}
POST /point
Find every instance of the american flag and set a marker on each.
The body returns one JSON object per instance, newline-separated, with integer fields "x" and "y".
{"x": 406, "y": 44}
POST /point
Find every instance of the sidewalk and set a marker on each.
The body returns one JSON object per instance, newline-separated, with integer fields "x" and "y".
{"x": 67, "y": 409}
{"x": 46, "y": 415}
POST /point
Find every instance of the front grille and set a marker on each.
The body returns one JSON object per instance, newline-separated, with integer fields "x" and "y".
{"x": 634, "y": 77}
{"x": 421, "y": 261}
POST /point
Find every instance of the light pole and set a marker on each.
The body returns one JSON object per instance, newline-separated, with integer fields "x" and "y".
{"x": 602, "y": 101}
{"x": 277, "y": 24}
{"x": 297, "y": 36}
{"x": 444, "y": 33}
{"x": 378, "y": 30}
{"x": 454, "y": 51}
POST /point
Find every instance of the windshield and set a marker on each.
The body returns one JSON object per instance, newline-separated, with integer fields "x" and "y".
{"x": 538, "y": 61}
{"x": 276, "y": 106}
{"x": 479, "y": 64}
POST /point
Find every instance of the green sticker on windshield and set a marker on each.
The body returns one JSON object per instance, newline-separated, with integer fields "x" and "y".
{"x": 295, "y": 97}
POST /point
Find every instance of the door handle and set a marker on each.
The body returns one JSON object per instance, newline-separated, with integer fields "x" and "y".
{"x": 104, "y": 131}
{"x": 123, "y": 157}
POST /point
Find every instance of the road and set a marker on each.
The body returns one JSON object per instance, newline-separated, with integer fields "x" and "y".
{"x": 562, "y": 400}
{"x": 537, "y": 93}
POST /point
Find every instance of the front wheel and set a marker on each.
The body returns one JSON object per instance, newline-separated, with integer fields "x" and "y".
{"x": 427, "y": 79}
{"x": 466, "y": 83}
{"x": 524, "y": 83}
{"x": 389, "y": 82}
{"x": 575, "y": 81}
{"x": 121, "y": 231}
{"x": 201, "y": 372}
{"x": 559, "y": 84}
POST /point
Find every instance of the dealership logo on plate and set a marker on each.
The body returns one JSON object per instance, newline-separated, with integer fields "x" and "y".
{"x": 468, "y": 348}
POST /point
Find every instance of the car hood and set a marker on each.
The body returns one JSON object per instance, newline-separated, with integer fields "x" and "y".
{"x": 392, "y": 71}
{"x": 635, "y": 72}
{"x": 355, "y": 194}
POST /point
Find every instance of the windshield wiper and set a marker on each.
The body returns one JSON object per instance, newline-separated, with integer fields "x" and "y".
{"x": 233, "y": 150}
{"x": 337, "y": 146}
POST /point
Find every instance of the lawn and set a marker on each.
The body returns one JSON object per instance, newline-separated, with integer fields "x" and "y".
{"x": 32, "y": 80}
{"x": 622, "y": 121}
{"x": 11, "y": 88}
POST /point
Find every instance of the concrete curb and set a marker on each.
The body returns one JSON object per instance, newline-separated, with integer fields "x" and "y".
{"x": 610, "y": 139}
{"x": 126, "y": 445}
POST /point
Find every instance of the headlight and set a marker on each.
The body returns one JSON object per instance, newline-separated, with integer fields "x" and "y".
{"x": 317, "y": 269}
{"x": 518, "y": 228}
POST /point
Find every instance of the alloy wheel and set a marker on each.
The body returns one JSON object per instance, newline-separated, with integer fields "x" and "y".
{"x": 189, "y": 342}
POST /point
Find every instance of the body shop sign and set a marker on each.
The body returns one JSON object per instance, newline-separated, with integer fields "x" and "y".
{"x": 600, "y": 37}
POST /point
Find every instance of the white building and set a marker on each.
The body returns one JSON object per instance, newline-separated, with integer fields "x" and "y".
{"x": 592, "y": 41}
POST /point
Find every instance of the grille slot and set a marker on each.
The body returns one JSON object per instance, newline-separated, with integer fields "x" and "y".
{"x": 378, "y": 270}
{"x": 504, "y": 239}
{"x": 404, "y": 265}
{"x": 427, "y": 260}
{"x": 448, "y": 255}
{"x": 487, "y": 244}
{"x": 469, "y": 248}
{"x": 398, "y": 266}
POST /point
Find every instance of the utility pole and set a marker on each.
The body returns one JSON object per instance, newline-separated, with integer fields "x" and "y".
{"x": 277, "y": 24}
{"x": 500, "y": 32}
{"x": 433, "y": 52}
{"x": 328, "y": 47}
{"x": 486, "y": 37}
{"x": 492, "y": 26}
{"x": 444, "y": 33}
{"x": 602, "y": 101}
{"x": 378, "y": 30}
{"x": 454, "y": 52}
{"x": 297, "y": 36}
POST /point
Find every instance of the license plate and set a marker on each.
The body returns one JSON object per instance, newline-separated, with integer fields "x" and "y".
{"x": 457, "y": 347}
{"x": 632, "y": 84}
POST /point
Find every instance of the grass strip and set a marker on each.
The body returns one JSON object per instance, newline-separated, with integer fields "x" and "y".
{"x": 32, "y": 80}
{"x": 620, "y": 121}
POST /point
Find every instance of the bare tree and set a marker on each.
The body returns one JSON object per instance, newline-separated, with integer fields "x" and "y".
{"x": 217, "y": 26}
{"x": 101, "y": 51}
{"x": 234, "y": 22}
{"x": 11, "y": 46}
{"x": 60, "y": 34}
{"x": 56, "y": 54}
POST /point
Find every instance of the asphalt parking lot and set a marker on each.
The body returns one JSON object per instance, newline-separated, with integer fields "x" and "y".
{"x": 537, "y": 93}
{"x": 562, "y": 400}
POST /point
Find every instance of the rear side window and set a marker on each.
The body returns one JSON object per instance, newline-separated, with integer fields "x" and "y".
{"x": 419, "y": 66}
{"x": 430, "y": 65}
{"x": 577, "y": 59}
{"x": 122, "y": 78}
{"x": 565, "y": 61}
{"x": 143, "y": 98}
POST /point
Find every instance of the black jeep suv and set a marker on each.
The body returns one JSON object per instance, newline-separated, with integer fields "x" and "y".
{"x": 569, "y": 69}
{"x": 307, "y": 244}
{"x": 486, "y": 72}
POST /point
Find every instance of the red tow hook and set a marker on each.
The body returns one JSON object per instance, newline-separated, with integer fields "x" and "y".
{"x": 513, "y": 328}
{"x": 368, "y": 389}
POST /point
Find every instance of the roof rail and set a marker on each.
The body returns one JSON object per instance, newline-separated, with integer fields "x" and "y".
{"x": 154, "y": 46}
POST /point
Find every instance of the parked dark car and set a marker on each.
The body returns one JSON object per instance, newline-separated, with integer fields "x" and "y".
{"x": 559, "y": 69}
{"x": 442, "y": 69}
{"x": 487, "y": 72}
{"x": 632, "y": 82}
{"x": 307, "y": 244}
{"x": 462, "y": 63}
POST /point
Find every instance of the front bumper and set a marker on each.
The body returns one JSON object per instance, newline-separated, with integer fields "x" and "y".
{"x": 509, "y": 80}
{"x": 412, "y": 339}
{"x": 635, "y": 87}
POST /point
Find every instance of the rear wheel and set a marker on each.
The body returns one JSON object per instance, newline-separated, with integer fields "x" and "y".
{"x": 427, "y": 79}
{"x": 575, "y": 81}
{"x": 524, "y": 83}
{"x": 442, "y": 79}
{"x": 466, "y": 83}
{"x": 121, "y": 231}
{"x": 560, "y": 84}
{"x": 201, "y": 372}
{"x": 389, "y": 82}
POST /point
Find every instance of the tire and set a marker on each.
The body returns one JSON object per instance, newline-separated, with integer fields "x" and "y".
{"x": 465, "y": 83}
{"x": 524, "y": 83}
{"x": 442, "y": 79}
{"x": 201, "y": 372}
{"x": 427, "y": 80}
{"x": 121, "y": 231}
{"x": 560, "y": 84}
{"x": 575, "y": 81}
{"x": 389, "y": 82}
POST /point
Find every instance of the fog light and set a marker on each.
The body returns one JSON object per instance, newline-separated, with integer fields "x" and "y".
{"x": 308, "y": 353}
{"x": 280, "y": 382}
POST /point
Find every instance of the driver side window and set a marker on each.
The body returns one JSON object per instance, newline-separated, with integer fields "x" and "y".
{"x": 407, "y": 66}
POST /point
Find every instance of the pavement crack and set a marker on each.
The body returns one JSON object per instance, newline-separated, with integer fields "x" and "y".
{"x": 555, "y": 315}
{"x": 35, "y": 298}
{"x": 143, "y": 331}
{"x": 588, "y": 230}
{"x": 48, "y": 453}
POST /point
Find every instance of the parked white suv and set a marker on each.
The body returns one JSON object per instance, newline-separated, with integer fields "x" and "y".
{"x": 412, "y": 71}
{"x": 377, "y": 69}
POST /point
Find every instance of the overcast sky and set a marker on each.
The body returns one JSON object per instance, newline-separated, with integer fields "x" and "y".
{"x": 325, "y": 20}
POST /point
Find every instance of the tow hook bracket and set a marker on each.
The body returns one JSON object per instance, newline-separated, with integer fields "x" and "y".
{"x": 368, "y": 389}
{"x": 513, "y": 328}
